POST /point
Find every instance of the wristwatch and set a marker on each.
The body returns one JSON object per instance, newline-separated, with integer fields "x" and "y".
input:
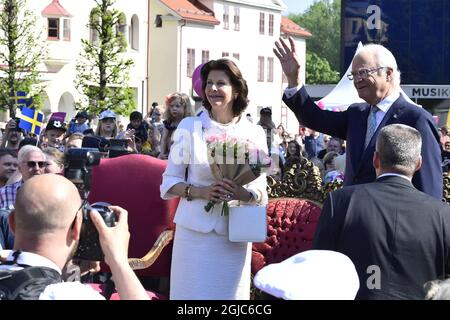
{"x": 187, "y": 192}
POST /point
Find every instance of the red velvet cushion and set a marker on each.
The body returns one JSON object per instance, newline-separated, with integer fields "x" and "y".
{"x": 291, "y": 227}
{"x": 132, "y": 182}
{"x": 115, "y": 296}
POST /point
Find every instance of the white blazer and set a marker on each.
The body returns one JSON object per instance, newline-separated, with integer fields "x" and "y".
{"x": 189, "y": 151}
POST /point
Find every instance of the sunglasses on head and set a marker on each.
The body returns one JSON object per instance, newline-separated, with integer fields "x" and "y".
{"x": 40, "y": 164}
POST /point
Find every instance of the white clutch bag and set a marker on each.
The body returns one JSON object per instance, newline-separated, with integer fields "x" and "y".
{"x": 247, "y": 224}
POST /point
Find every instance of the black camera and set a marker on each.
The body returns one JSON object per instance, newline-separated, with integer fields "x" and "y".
{"x": 78, "y": 167}
{"x": 16, "y": 128}
{"x": 113, "y": 147}
{"x": 89, "y": 246}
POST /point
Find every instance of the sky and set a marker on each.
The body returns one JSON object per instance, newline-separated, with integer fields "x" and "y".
{"x": 297, "y": 6}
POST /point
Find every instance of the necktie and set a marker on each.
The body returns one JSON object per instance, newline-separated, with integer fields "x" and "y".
{"x": 371, "y": 124}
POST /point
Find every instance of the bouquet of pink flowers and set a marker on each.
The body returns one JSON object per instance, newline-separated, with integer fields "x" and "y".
{"x": 235, "y": 159}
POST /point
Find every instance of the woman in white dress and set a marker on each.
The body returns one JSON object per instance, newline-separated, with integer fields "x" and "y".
{"x": 205, "y": 264}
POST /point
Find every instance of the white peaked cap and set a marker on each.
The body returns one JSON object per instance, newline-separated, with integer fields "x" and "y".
{"x": 310, "y": 275}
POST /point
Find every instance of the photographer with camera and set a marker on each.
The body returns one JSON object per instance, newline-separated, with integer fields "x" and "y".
{"x": 79, "y": 123}
{"x": 13, "y": 135}
{"x": 47, "y": 222}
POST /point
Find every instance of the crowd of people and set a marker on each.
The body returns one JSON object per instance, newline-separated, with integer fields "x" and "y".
{"x": 388, "y": 153}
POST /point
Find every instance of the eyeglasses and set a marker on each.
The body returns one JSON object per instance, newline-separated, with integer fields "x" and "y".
{"x": 363, "y": 73}
{"x": 83, "y": 206}
{"x": 40, "y": 164}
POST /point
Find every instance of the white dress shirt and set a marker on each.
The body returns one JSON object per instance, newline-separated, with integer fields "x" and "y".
{"x": 58, "y": 291}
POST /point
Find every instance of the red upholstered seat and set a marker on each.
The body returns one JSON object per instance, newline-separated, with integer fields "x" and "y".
{"x": 291, "y": 227}
{"x": 115, "y": 296}
{"x": 132, "y": 182}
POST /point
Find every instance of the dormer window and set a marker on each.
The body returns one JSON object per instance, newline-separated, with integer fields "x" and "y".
{"x": 58, "y": 21}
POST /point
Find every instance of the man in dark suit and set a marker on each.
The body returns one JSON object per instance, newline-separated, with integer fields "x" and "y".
{"x": 397, "y": 237}
{"x": 376, "y": 78}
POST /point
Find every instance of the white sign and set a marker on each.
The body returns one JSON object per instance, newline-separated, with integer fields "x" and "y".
{"x": 427, "y": 91}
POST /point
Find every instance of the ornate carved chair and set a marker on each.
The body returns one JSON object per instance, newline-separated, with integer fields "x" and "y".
{"x": 293, "y": 212}
{"x": 446, "y": 191}
{"x": 132, "y": 182}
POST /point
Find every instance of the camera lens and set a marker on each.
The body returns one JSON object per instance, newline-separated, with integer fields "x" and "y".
{"x": 89, "y": 246}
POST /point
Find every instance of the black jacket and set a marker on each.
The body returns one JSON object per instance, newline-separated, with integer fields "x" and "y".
{"x": 388, "y": 226}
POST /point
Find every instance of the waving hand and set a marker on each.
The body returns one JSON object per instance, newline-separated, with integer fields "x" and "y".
{"x": 289, "y": 61}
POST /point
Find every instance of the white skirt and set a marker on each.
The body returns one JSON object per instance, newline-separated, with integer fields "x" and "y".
{"x": 207, "y": 266}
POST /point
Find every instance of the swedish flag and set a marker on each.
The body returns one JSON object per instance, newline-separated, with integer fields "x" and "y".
{"x": 20, "y": 99}
{"x": 31, "y": 120}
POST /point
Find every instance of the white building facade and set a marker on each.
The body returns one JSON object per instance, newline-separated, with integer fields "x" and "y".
{"x": 64, "y": 24}
{"x": 184, "y": 35}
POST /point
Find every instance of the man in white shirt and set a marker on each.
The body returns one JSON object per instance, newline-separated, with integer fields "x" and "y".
{"x": 376, "y": 77}
{"x": 47, "y": 221}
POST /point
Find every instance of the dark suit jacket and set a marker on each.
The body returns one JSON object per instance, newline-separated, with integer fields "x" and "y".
{"x": 313, "y": 145}
{"x": 351, "y": 125}
{"x": 6, "y": 235}
{"x": 391, "y": 225}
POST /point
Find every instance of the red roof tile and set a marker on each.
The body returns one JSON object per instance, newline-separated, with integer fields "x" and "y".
{"x": 55, "y": 9}
{"x": 291, "y": 28}
{"x": 191, "y": 12}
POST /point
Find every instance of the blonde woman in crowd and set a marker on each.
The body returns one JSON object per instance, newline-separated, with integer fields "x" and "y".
{"x": 75, "y": 140}
{"x": 54, "y": 160}
{"x": 178, "y": 107}
{"x": 107, "y": 126}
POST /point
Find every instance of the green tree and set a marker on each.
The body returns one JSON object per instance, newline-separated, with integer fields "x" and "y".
{"x": 323, "y": 20}
{"x": 21, "y": 51}
{"x": 103, "y": 70}
{"x": 319, "y": 71}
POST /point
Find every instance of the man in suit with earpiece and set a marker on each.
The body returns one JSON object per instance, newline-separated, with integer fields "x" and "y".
{"x": 397, "y": 237}
{"x": 376, "y": 77}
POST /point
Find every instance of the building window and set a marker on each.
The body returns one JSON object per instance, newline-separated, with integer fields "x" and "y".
{"x": 93, "y": 36}
{"x": 205, "y": 56}
{"x": 236, "y": 56}
{"x": 158, "y": 21}
{"x": 226, "y": 16}
{"x": 237, "y": 19}
{"x": 270, "y": 24}
{"x": 66, "y": 30}
{"x": 134, "y": 33}
{"x": 190, "y": 62}
{"x": 93, "y": 33}
{"x": 122, "y": 28}
{"x": 261, "y": 23}
{"x": 269, "y": 69}
{"x": 53, "y": 29}
{"x": 260, "y": 69}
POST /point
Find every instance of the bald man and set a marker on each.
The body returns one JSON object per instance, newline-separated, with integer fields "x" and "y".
{"x": 47, "y": 221}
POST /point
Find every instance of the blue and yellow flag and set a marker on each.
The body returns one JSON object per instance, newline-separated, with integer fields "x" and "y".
{"x": 31, "y": 120}
{"x": 20, "y": 99}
